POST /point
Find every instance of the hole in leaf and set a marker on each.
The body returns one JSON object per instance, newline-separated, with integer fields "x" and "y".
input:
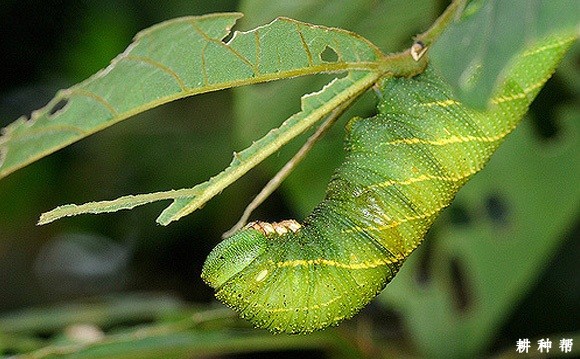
{"x": 384, "y": 321}
{"x": 231, "y": 33}
{"x": 424, "y": 271}
{"x": 497, "y": 209}
{"x": 459, "y": 215}
{"x": 329, "y": 55}
{"x": 545, "y": 108}
{"x": 460, "y": 289}
{"x": 57, "y": 107}
{"x": 228, "y": 37}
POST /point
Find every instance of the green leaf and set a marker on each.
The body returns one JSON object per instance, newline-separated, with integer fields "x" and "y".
{"x": 472, "y": 55}
{"x": 176, "y": 59}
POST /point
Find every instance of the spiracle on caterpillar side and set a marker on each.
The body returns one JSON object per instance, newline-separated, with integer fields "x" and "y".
{"x": 262, "y": 275}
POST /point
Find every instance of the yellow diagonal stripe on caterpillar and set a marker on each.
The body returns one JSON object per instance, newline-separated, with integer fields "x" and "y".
{"x": 550, "y": 46}
{"x": 421, "y": 178}
{"x": 521, "y": 95}
{"x": 332, "y": 263}
{"x": 449, "y": 140}
{"x": 426, "y": 177}
{"x": 443, "y": 104}
{"x": 539, "y": 84}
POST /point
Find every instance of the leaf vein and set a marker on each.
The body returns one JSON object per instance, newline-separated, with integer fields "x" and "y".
{"x": 258, "y": 53}
{"x": 305, "y": 46}
{"x": 226, "y": 46}
{"x": 86, "y": 93}
{"x": 160, "y": 66}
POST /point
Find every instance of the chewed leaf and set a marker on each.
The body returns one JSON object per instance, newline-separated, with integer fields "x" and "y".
{"x": 333, "y": 97}
{"x": 173, "y": 60}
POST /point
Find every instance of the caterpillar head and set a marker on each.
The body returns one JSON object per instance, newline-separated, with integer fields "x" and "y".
{"x": 235, "y": 253}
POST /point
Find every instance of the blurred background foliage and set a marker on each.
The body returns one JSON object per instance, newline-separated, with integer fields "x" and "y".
{"x": 500, "y": 264}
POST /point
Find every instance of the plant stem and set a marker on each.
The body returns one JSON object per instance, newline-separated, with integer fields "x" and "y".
{"x": 402, "y": 64}
{"x": 285, "y": 171}
{"x": 452, "y": 13}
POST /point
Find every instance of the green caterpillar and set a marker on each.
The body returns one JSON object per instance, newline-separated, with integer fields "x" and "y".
{"x": 402, "y": 167}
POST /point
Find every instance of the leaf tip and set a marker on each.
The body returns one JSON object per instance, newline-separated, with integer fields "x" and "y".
{"x": 43, "y": 220}
{"x": 59, "y": 212}
{"x": 167, "y": 216}
{"x": 46, "y": 218}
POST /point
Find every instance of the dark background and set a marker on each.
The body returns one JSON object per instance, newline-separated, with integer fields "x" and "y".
{"x": 50, "y": 45}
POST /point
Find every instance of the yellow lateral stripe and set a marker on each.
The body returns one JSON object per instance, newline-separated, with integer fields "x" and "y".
{"x": 520, "y": 95}
{"x": 424, "y": 178}
{"x": 444, "y": 103}
{"x": 332, "y": 263}
{"x": 448, "y": 140}
{"x": 549, "y": 47}
{"x": 292, "y": 309}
